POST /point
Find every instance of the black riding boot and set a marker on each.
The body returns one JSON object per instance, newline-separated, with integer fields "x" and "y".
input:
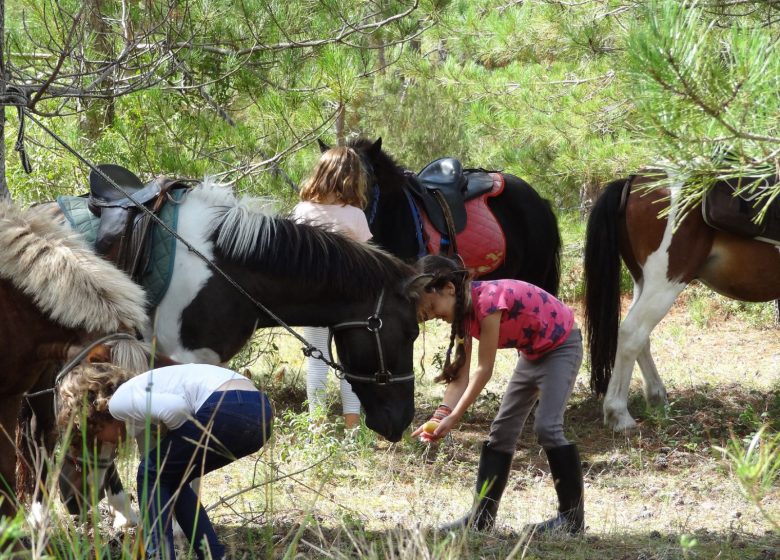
{"x": 566, "y": 471}
{"x": 494, "y": 467}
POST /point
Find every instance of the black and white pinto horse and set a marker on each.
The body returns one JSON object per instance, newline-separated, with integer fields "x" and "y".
{"x": 529, "y": 225}
{"x": 305, "y": 276}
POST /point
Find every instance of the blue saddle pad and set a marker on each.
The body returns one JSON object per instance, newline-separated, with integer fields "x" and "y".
{"x": 157, "y": 276}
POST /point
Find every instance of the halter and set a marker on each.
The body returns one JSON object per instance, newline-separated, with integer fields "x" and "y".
{"x": 373, "y": 324}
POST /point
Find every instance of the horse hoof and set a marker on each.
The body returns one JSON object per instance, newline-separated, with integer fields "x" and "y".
{"x": 121, "y": 522}
{"x": 37, "y": 516}
{"x": 619, "y": 421}
{"x": 657, "y": 400}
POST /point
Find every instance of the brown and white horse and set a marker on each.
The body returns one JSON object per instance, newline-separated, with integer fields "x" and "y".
{"x": 54, "y": 293}
{"x": 663, "y": 255}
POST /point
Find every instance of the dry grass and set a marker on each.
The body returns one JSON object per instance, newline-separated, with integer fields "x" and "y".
{"x": 664, "y": 491}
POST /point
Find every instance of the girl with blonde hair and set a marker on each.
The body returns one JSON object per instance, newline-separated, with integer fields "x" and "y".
{"x": 333, "y": 197}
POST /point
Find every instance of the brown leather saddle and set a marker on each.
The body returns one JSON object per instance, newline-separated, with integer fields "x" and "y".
{"x": 730, "y": 207}
{"x": 123, "y": 235}
{"x": 443, "y": 187}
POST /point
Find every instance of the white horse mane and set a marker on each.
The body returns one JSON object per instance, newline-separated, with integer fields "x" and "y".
{"x": 64, "y": 278}
{"x": 239, "y": 218}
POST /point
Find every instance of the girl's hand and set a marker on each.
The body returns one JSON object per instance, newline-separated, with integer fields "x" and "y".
{"x": 425, "y": 431}
{"x": 445, "y": 427}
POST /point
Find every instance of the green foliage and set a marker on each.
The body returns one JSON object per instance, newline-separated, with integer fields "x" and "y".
{"x": 757, "y": 467}
{"x": 705, "y": 82}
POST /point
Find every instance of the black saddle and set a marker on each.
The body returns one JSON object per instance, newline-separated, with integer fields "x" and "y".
{"x": 725, "y": 210}
{"x": 123, "y": 233}
{"x": 443, "y": 187}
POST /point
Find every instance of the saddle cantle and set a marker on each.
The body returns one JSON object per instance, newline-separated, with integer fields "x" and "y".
{"x": 123, "y": 233}
{"x": 726, "y": 209}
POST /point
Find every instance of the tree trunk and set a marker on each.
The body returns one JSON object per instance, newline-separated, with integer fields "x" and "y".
{"x": 589, "y": 192}
{"x": 340, "y": 135}
{"x": 5, "y": 194}
{"x": 98, "y": 113}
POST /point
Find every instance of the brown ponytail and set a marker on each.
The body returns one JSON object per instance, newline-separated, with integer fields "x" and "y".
{"x": 443, "y": 270}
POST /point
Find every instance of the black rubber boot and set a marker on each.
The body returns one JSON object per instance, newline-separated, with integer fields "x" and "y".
{"x": 566, "y": 470}
{"x": 494, "y": 467}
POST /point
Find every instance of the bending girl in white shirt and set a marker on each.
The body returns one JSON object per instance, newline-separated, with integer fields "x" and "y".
{"x": 210, "y": 417}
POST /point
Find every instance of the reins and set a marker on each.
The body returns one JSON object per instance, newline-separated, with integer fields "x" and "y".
{"x": 75, "y": 361}
{"x": 308, "y": 349}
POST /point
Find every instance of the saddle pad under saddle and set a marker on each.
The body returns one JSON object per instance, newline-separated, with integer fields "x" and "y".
{"x": 481, "y": 244}
{"x": 736, "y": 214}
{"x": 157, "y": 276}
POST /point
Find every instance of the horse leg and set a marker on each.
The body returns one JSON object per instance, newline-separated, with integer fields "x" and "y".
{"x": 652, "y": 304}
{"x": 118, "y": 500}
{"x": 9, "y": 410}
{"x": 37, "y": 438}
{"x": 653, "y": 385}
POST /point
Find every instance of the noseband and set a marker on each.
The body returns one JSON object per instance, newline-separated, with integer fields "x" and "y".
{"x": 374, "y": 325}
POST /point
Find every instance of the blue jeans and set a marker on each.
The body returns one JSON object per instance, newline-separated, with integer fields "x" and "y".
{"x": 228, "y": 426}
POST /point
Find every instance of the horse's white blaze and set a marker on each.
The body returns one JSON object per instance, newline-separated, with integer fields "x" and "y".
{"x": 652, "y": 300}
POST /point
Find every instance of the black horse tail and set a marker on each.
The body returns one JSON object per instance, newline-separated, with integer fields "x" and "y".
{"x": 602, "y": 284}
{"x": 552, "y": 277}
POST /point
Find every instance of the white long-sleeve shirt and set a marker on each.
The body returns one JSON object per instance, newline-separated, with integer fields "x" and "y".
{"x": 169, "y": 395}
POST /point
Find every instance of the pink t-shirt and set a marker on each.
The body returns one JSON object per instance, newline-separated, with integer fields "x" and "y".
{"x": 532, "y": 321}
{"x": 346, "y": 219}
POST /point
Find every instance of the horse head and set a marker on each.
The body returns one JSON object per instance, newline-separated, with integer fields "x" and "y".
{"x": 376, "y": 353}
{"x": 87, "y": 472}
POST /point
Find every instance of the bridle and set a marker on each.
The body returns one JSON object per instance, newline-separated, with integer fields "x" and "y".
{"x": 374, "y": 325}
{"x": 78, "y": 460}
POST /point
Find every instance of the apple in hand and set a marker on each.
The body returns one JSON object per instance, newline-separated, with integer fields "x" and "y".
{"x": 430, "y": 426}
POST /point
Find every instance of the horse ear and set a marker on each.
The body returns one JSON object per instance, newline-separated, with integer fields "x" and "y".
{"x": 376, "y": 147}
{"x": 414, "y": 287}
{"x": 99, "y": 354}
{"x": 323, "y": 146}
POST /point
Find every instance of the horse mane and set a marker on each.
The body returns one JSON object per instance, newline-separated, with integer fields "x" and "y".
{"x": 391, "y": 174}
{"x": 244, "y": 230}
{"x": 65, "y": 279}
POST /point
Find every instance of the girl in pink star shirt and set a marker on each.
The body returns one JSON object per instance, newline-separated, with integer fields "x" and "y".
{"x": 507, "y": 314}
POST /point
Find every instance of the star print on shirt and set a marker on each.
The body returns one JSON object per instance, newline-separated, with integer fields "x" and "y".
{"x": 528, "y": 332}
{"x": 514, "y": 311}
{"x": 544, "y": 296}
{"x": 557, "y": 332}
